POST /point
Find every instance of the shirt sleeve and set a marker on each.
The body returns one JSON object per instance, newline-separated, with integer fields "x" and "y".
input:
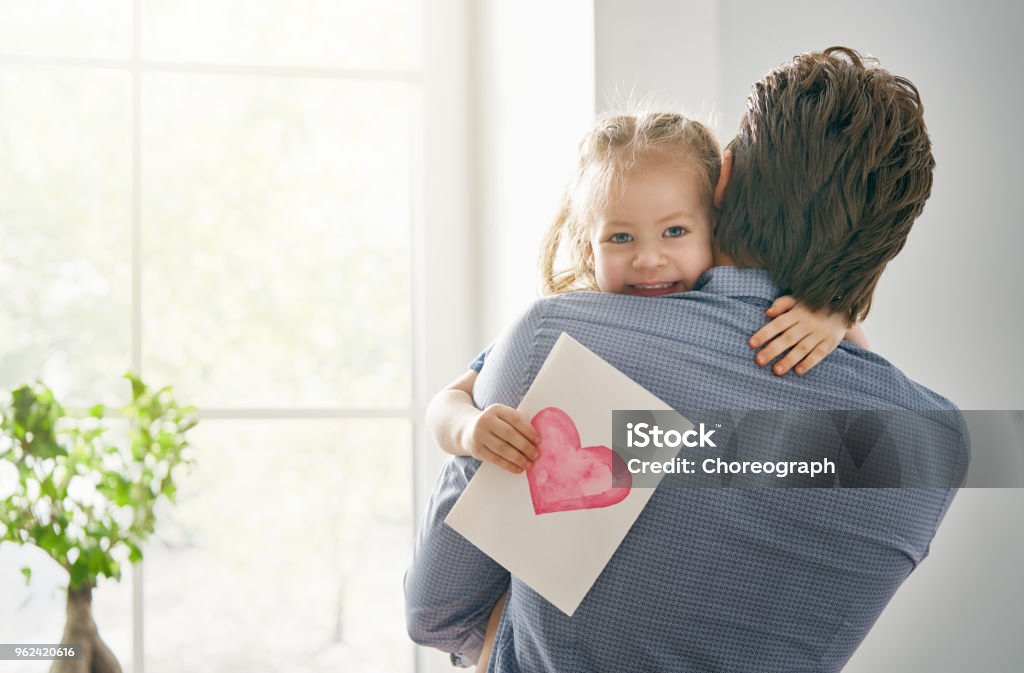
{"x": 478, "y": 364}
{"x": 451, "y": 586}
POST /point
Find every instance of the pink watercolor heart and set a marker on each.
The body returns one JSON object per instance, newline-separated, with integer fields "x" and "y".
{"x": 568, "y": 476}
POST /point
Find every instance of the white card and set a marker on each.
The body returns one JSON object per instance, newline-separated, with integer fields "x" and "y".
{"x": 560, "y": 551}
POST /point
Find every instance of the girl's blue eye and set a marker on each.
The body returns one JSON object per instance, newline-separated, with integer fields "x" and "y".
{"x": 620, "y": 238}
{"x": 674, "y": 232}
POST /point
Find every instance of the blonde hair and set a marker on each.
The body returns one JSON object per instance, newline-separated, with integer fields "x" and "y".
{"x": 617, "y": 145}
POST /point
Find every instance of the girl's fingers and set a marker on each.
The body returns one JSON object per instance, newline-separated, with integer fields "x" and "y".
{"x": 794, "y": 356}
{"x": 521, "y": 424}
{"x": 772, "y": 330}
{"x": 506, "y": 465}
{"x": 513, "y": 438}
{"x": 780, "y": 306}
{"x": 503, "y": 455}
{"x": 780, "y": 345}
{"x": 816, "y": 355}
{"x": 513, "y": 446}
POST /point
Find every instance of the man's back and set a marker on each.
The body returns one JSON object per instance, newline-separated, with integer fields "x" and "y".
{"x": 709, "y": 579}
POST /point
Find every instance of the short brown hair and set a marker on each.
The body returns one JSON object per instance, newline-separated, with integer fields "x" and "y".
{"x": 617, "y": 145}
{"x": 831, "y": 166}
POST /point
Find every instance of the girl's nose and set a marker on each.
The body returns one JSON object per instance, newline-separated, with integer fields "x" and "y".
{"x": 650, "y": 257}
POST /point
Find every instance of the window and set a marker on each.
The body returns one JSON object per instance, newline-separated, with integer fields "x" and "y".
{"x": 227, "y": 197}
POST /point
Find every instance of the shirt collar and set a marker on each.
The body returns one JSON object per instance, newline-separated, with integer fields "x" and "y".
{"x": 732, "y": 281}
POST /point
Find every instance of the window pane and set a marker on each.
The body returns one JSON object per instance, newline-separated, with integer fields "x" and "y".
{"x": 285, "y": 551}
{"x": 339, "y": 33}
{"x": 65, "y": 231}
{"x": 85, "y": 28}
{"x": 276, "y": 240}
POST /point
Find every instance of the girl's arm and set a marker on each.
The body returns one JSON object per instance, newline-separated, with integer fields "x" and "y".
{"x": 807, "y": 335}
{"x": 498, "y": 434}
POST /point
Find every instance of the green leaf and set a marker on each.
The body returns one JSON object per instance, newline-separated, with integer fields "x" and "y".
{"x": 46, "y": 540}
{"x": 79, "y": 574}
{"x": 122, "y": 491}
{"x": 48, "y": 488}
{"x": 27, "y": 572}
{"x": 97, "y": 411}
{"x": 112, "y": 569}
{"x": 138, "y": 387}
{"x": 168, "y": 488}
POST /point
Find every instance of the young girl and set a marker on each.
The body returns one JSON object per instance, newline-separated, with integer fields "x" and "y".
{"x": 636, "y": 219}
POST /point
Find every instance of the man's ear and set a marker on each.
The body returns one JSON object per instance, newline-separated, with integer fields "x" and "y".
{"x": 723, "y": 179}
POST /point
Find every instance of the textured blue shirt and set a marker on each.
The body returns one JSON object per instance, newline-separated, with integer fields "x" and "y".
{"x": 478, "y": 364}
{"x": 716, "y": 579}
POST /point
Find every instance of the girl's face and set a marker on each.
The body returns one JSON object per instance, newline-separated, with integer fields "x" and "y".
{"x": 655, "y": 238}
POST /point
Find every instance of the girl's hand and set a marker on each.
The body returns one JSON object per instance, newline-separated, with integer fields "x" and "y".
{"x": 503, "y": 436}
{"x": 808, "y": 336}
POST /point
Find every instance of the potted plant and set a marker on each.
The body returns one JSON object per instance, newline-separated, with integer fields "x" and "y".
{"x": 85, "y": 499}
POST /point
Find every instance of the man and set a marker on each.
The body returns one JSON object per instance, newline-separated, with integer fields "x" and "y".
{"x": 831, "y": 166}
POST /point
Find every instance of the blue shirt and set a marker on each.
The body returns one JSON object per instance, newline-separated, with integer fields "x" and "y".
{"x": 478, "y": 364}
{"x": 715, "y": 579}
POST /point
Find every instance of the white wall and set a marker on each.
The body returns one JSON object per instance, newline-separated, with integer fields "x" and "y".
{"x": 535, "y": 78}
{"x": 948, "y": 310}
{"x": 676, "y": 41}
